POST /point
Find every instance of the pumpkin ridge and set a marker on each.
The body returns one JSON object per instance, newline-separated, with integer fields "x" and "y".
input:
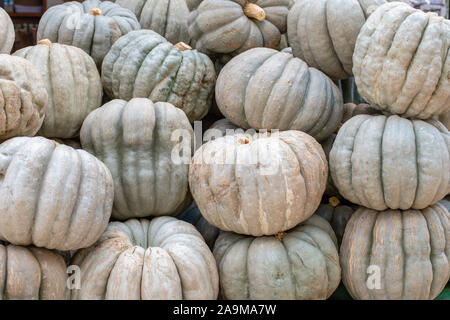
{"x": 417, "y": 163}
{"x": 386, "y": 51}
{"x": 245, "y": 87}
{"x": 442, "y": 183}
{"x": 333, "y": 45}
{"x": 433, "y": 266}
{"x": 437, "y": 87}
{"x": 380, "y": 176}
{"x": 407, "y": 71}
{"x": 319, "y": 124}
{"x": 119, "y": 154}
{"x": 300, "y": 110}
{"x": 167, "y": 17}
{"x": 291, "y": 266}
{"x": 275, "y": 82}
{"x": 39, "y": 191}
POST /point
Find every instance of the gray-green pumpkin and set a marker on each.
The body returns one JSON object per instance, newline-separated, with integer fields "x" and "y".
{"x": 51, "y": 195}
{"x": 92, "y": 25}
{"x": 8, "y": 35}
{"x": 143, "y": 64}
{"x": 263, "y": 88}
{"x": 402, "y": 61}
{"x": 29, "y": 273}
{"x": 73, "y": 84}
{"x": 383, "y": 162}
{"x": 234, "y": 26}
{"x": 136, "y": 141}
{"x": 23, "y": 97}
{"x": 168, "y": 18}
{"x": 323, "y": 32}
{"x": 302, "y": 264}
{"x": 396, "y": 255}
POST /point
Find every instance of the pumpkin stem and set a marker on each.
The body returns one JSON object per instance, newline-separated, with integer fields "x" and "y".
{"x": 96, "y": 12}
{"x": 280, "y": 236}
{"x": 182, "y": 46}
{"x": 244, "y": 141}
{"x": 254, "y": 11}
{"x": 334, "y": 201}
{"x": 45, "y": 42}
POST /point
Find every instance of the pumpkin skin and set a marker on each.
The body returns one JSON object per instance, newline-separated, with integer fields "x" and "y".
{"x": 29, "y": 273}
{"x": 193, "y": 216}
{"x": 220, "y": 128}
{"x": 410, "y": 159}
{"x": 445, "y": 119}
{"x": 169, "y": 18}
{"x": 402, "y": 61}
{"x": 73, "y": 85}
{"x": 143, "y": 64}
{"x": 267, "y": 89}
{"x": 302, "y": 264}
{"x": 92, "y": 26}
{"x": 281, "y": 188}
{"x": 51, "y": 195}
{"x": 411, "y": 248}
{"x": 133, "y": 139}
{"x": 323, "y": 32}
{"x": 337, "y": 216}
{"x": 234, "y": 26}
{"x": 8, "y": 34}
{"x": 23, "y": 98}
{"x": 161, "y": 259}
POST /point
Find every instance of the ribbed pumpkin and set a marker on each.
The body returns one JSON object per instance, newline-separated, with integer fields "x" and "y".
{"x": 23, "y": 98}
{"x": 194, "y": 217}
{"x": 323, "y": 32}
{"x": 143, "y": 64}
{"x": 93, "y": 26}
{"x": 407, "y": 251}
{"x": 301, "y": 264}
{"x": 169, "y": 18}
{"x": 267, "y": 89}
{"x": 135, "y": 141}
{"x": 73, "y": 84}
{"x": 51, "y": 195}
{"x": 385, "y": 162}
{"x": 8, "y": 34}
{"x": 337, "y": 215}
{"x": 164, "y": 258}
{"x": 29, "y": 273}
{"x": 234, "y": 26}
{"x": 258, "y": 185}
{"x": 402, "y": 61}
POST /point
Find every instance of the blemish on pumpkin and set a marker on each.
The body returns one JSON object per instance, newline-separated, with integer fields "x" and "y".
{"x": 280, "y": 236}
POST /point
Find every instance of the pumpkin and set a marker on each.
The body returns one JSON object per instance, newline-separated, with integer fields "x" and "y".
{"x": 261, "y": 184}
{"x": 402, "y": 61}
{"x": 337, "y": 215}
{"x": 169, "y": 18}
{"x": 194, "y": 217}
{"x": 8, "y": 34}
{"x": 396, "y": 254}
{"x": 23, "y": 98}
{"x": 51, "y": 195}
{"x": 93, "y": 26}
{"x": 73, "y": 84}
{"x": 323, "y": 32}
{"x": 267, "y": 89}
{"x": 29, "y": 273}
{"x": 164, "y": 258}
{"x": 302, "y": 264}
{"x": 232, "y": 26}
{"x": 383, "y": 162}
{"x": 351, "y": 110}
{"x": 143, "y": 64}
{"x": 135, "y": 140}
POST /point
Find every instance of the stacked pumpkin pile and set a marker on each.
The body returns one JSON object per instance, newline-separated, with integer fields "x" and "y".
{"x": 110, "y": 185}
